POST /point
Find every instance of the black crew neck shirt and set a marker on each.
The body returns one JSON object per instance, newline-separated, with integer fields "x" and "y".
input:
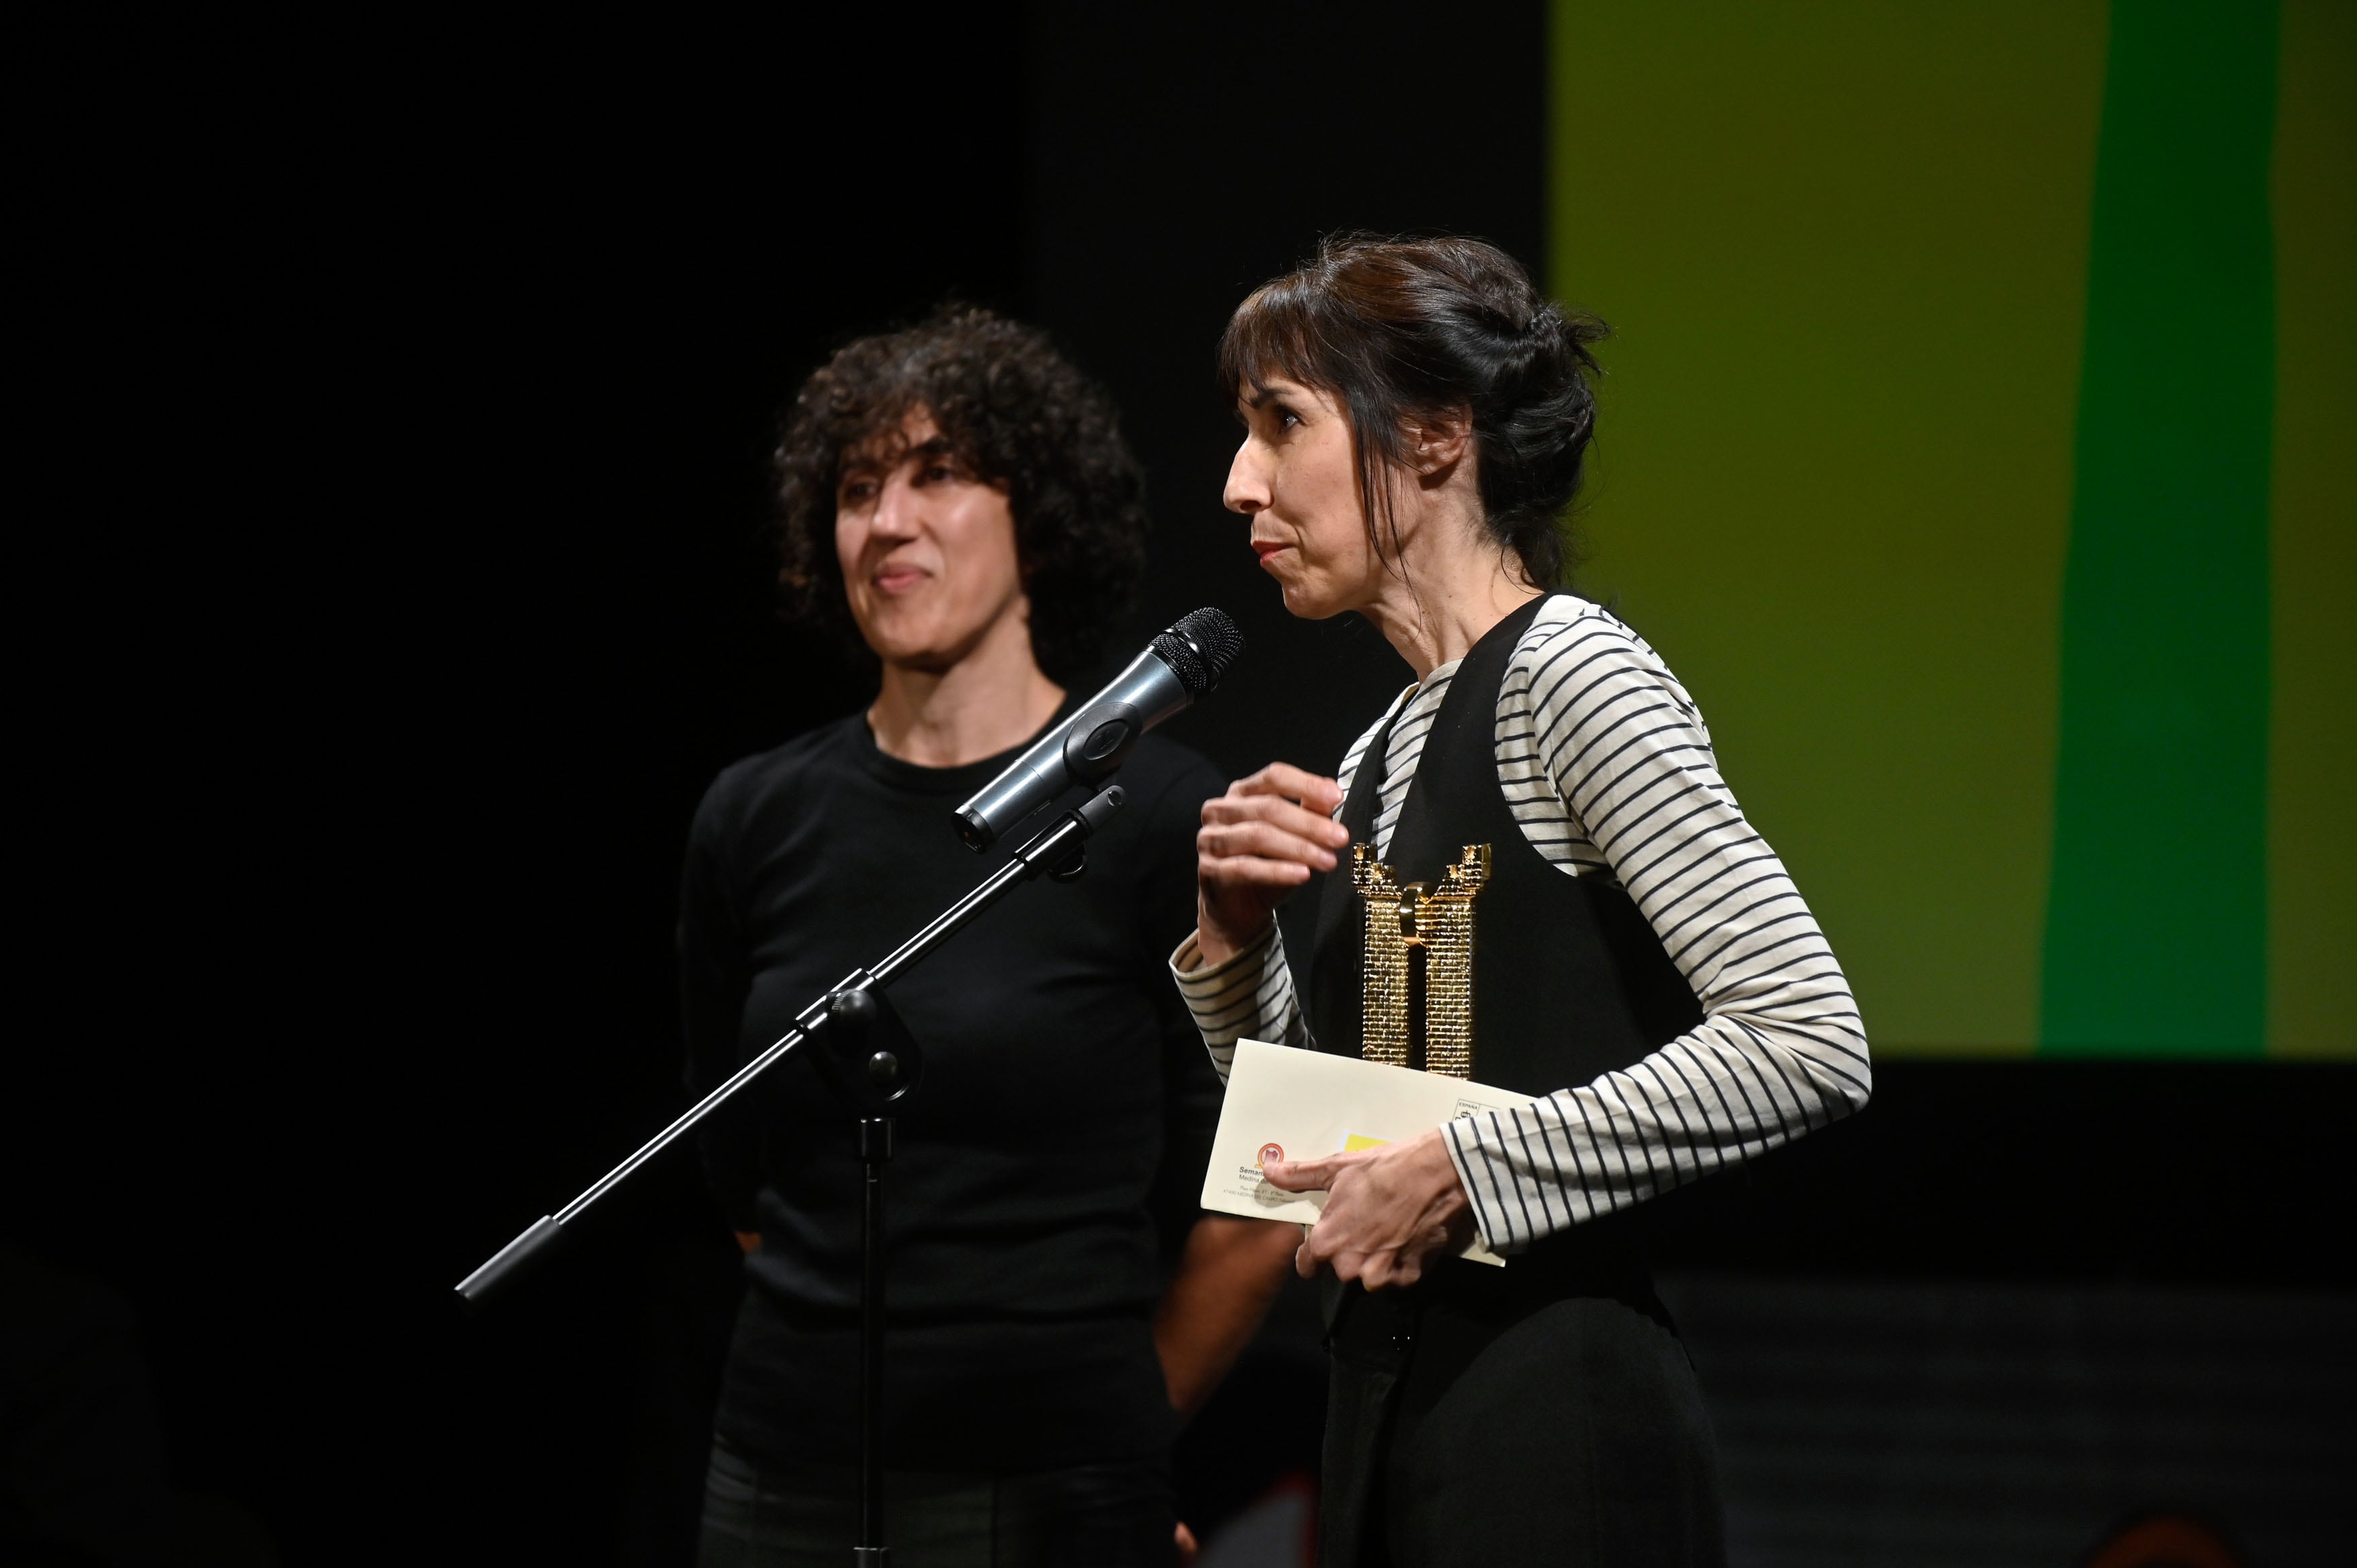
{"x": 1067, "y": 1104}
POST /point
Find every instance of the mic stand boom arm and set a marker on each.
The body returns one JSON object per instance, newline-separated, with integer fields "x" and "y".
{"x": 1057, "y": 850}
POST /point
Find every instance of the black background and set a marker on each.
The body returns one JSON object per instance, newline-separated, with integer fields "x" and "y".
{"x": 392, "y": 584}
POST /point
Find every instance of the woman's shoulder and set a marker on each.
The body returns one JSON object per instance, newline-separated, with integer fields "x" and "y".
{"x": 1566, "y": 621}
{"x": 1577, "y": 651}
{"x": 781, "y": 773}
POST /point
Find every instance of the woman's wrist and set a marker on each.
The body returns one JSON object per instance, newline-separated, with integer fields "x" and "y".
{"x": 1214, "y": 947}
{"x": 1437, "y": 1170}
{"x": 1215, "y": 943}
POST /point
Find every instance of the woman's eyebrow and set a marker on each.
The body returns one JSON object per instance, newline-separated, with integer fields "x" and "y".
{"x": 870, "y": 458}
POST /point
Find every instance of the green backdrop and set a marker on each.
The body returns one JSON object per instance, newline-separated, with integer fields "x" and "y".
{"x": 1979, "y": 443}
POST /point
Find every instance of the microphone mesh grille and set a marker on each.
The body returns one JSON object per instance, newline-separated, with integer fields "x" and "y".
{"x": 1200, "y": 649}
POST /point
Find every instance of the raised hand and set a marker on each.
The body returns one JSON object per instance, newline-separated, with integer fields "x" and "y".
{"x": 1259, "y": 842}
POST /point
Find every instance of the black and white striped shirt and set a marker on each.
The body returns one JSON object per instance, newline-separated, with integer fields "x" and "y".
{"x": 1606, "y": 764}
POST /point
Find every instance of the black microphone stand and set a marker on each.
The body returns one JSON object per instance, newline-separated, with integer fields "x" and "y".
{"x": 876, "y": 1066}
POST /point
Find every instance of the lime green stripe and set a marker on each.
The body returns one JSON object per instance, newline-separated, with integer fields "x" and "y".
{"x": 2311, "y": 833}
{"x": 2156, "y": 914}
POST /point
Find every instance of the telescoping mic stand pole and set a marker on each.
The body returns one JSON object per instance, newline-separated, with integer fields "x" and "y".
{"x": 1057, "y": 850}
{"x": 875, "y": 1065}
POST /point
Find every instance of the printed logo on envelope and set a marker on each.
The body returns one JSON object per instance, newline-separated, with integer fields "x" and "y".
{"x": 1271, "y": 1153}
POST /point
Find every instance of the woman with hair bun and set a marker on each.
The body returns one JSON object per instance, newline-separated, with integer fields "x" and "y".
{"x": 1416, "y": 416}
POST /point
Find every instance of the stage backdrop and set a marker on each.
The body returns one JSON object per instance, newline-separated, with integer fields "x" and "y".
{"x": 1977, "y": 445}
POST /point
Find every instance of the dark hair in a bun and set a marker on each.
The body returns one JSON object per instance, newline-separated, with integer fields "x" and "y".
{"x": 1404, "y": 330}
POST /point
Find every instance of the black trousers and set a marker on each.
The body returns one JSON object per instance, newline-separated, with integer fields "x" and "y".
{"x": 1480, "y": 1430}
{"x": 1092, "y": 1516}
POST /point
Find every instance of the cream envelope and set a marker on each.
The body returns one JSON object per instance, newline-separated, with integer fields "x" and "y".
{"x": 1304, "y": 1104}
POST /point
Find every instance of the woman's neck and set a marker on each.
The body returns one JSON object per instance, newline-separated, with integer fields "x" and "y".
{"x": 1450, "y": 584}
{"x": 992, "y": 699}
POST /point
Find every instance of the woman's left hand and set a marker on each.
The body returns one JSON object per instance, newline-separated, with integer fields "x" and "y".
{"x": 1388, "y": 1210}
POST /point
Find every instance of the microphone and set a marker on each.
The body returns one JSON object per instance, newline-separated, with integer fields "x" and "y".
{"x": 1181, "y": 665}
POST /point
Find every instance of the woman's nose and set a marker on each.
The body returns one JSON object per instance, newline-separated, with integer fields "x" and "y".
{"x": 1247, "y": 490}
{"x": 897, "y": 512}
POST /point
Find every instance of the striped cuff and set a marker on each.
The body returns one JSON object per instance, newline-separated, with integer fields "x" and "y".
{"x": 1224, "y": 998}
{"x": 1486, "y": 1184}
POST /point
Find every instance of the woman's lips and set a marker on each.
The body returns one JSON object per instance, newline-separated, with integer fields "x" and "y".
{"x": 1263, "y": 549}
{"x": 892, "y": 579}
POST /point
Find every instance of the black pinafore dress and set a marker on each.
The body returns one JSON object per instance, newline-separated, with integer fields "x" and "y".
{"x": 1543, "y": 1412}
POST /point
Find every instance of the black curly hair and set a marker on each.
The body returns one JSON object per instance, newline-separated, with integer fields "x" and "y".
{"x": 1398, "y": 329}
{"x": 1024, "y": 420}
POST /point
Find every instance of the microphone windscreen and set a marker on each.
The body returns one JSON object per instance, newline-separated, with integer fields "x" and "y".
{"x": 1200, "y": 649}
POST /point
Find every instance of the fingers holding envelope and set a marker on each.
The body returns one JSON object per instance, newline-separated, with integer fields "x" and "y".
{"x": 1390, "y": 1212}
{"x": 1260, "y": 841}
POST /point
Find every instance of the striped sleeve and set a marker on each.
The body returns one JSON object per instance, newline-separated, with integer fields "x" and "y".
{"x": 1779, "y": 1051}
{"x": 1251, "y": 996}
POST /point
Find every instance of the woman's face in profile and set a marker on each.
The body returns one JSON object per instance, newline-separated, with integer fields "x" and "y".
{"x": 927, "y": 548}
{"x": 1296, "y": 476}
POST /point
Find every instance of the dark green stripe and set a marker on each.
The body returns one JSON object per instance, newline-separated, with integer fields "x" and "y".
{"x": 2156, "y": 926}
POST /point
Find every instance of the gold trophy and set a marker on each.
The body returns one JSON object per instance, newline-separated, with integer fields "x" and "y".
{"x": 1439, "y": 920}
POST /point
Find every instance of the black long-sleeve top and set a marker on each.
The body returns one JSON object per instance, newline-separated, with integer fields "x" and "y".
{"x": 1066, "y": 1104}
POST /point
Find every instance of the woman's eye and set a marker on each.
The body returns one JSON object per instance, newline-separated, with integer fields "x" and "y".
{"x": 1287, "y": 419}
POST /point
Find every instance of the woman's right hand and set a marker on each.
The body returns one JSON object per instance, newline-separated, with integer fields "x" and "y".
{"x": 1259, "y": 842}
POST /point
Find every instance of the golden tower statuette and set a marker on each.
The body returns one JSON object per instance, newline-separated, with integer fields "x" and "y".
{"x": 1438, "y": 920}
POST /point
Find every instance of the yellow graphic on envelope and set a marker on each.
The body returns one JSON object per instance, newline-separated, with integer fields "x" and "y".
{"x": 1353, "y": 1142}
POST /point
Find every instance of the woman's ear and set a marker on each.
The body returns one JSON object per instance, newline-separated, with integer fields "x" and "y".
{"x": 1437, "y": 443}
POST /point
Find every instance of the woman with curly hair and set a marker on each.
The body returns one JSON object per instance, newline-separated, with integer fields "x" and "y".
{"x": 958, "y": 500}
{"x": 1624, "y": 948}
